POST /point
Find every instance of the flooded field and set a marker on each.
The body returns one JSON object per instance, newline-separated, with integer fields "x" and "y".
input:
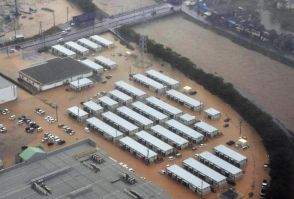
{"x": 266, "y": 82}
{"x": 26, "y": 103}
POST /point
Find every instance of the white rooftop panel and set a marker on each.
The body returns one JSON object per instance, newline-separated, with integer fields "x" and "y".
{"x": 188, "y": 177}
{"x": 138, "y": 147}
{"x": 134, "y": 115}
{"x": 101, "y": 40}
{"x": 122, "y": 96}
{"x": 154, "y": 141}
{"x": 104, "y": 127}
{"x": 163, "y": 105}
{"x": 63, "y": 50}
{"x": 148, "y": 81}
{"x": 135, "y": 91}
{"x": 81, "y": 82}
{"x": 88, "y": 43}
{"x": 212, "y": 111}
{"x": 206, "y": 127}
{"x": 76, "y": 46}
{"x": 107, "y": 100}
{"x": 93, "y": 106}
{"x": 92, "y": 64}
{"x": 187, "y": 117}
{"x": 184, "y": 98}
{"x": 119, "y": 120}
{"x": 105, "y": 60}
{"x": 148, "y": 110}
{"x": 164, "y": 78}
{"x": 230, "y": 153}
{"x": 77, "y": 111}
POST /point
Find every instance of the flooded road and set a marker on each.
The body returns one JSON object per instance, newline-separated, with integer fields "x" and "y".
{"x": 266, "y": 82}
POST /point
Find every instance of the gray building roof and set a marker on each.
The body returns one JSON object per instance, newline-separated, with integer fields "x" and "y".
{"x": 230, "y": 153}
{"x": 154, "y": 141}
{"x": 56, "y": 70}
{"x": 4, "y": 83}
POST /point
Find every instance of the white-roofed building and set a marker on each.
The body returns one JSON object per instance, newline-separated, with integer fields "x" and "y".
{"x": 62, "y": 51}
{"x": 106, "y": 62}
{"x": 206, "y": 129}
{"x": 93, "y": 108}
{"x": 134, "y": 117}
{"x": 77, "y": 48}
{"x": 81, "y": 84}
{"x": 164, "y": 107}
{"x": 149, "y": 112}
{"x": 94, "y": 66}
{"x": 164, "y": 79}
{"x": 184, "y": 131}
{"x": 187, "y": 119}
{"x": 169, "y": 137}
{"x": 106, "y": 130}
{"x": 230, "y": 155}
{"x": 139, "y": 149}
{"x": 102, "y": 41}
{"x": 8, "y": 91}
{"x": 212, "y": 114}
{"x": 184, "y": 99}
{"x": 206, "y": 173}
{"x": 218, "y": 164}
{"x": 120, "y": 97}
{"x": 108, "y": 103}
{"x": 89, "y": 44}
{"x": 154, "y": 143}
{"x": 194, "y": 183}
{"x": 119, "y": 123}
{"x": 150, "y": 83}
{"x": 130, "y": 90}
{"x": 77, "y": 113}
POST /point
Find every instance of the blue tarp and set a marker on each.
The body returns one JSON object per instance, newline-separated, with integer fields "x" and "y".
{"x": 202, "y": 6}
{"x": 231, "y": 22}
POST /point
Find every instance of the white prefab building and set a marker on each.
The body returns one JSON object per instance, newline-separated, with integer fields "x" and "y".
{"x": 187, "y": 119}
{"x": 7, "y": 91}
{"x": 206, "y": 129}
{"x": 149, "y": 112}
{"x": 199, "y": 169}
{"x": 212, "y": 113}
{"x": 150, "y": 83}
{"x": 77, "y": 113}
{"x": 140, "y": 150}
{"x": 120, "y": 97}
{"x": 108, "y": 63}
{"x": 130, "y": 90}
{"x": 188, "y": 179}
{"x": 92, "y": 65}
{"x": 230, "y": 155}
{"x": 169, "y": 137}
{"x": 89, "y": 44}
{"x": 102, "y": 41}
{"x": 184, "y": 131}
{"x": 184, "y": 99}
{"x": 62, "y": 51}
{"x": 81, "y": 84}
{"x": 164, "y": 79}
{"x": 220, "y": 165}
{"x": 93, "y": 108}
{"x": 101, "y": 127}
{"x": 154, "y": 143}
{"x": 108, "y": 103}
{"x": 77, "y": 48}
{"x": 163, "y": 107}
{"x": 134, "y": 117}
{"x": 120, "y": 123}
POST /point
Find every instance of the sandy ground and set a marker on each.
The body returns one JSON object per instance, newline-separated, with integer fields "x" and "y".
{"x": 112, "y": 7}
{"x": 25, "y": 104}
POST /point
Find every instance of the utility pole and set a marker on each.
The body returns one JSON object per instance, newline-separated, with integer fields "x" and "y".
{"x": 53, "y": 17}
{"x": 240, "y": 127}
{"x": 56, "y": 109}
{"x": 67, "y": 11}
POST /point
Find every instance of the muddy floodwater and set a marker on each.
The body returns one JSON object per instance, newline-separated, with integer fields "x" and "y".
{"x": 266, "y": 82}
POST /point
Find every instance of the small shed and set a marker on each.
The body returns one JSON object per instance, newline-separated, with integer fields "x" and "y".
{"x": 32, "y": 153}
{"x": 81, "y": 84}
{"x": 77, "y": 113}
{"x": 212, "y": 114}
{"x": 187, "y": 119}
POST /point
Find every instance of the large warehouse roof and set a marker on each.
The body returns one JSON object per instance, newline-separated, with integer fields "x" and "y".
{"x": 230, "y": 153}
{"x": 149, "y": 111}
{"x": 56, "y": 70}
{"x": 134, "y": 115}
{"x": 163, "y": 78}
{"x": 154, "y": 141}
{"x": 102, "y": 126}
{"x": 163, "y": 105}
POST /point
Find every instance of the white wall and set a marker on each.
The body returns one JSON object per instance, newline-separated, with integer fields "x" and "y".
{"x": 8, "y": 94}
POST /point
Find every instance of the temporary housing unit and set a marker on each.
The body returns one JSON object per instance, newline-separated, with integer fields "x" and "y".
{"x": 107, "y": 63}
{"x": 77, "y": 48}
{"x": 62, "y": 51}
{"x": 7, "y": 91}
{"x": 120, "y": 123}
{"x": 163, "y": 107}
{"x": 89, "y": 44}
{"x": 212, "y": 113}
{"x": 134, "y": 117}
{"x": 81, "y": 84}
{"x": 184, "y": 131}
{"x": 194, "y": 183}
{"x": 220, "y": 165}
{"x": 120, "y": 97}
{"x": 92, "y": 65}
{"x": 154, "y": 143}
{"x": 140, "y": 150}
{"x": 108, "y": 103}
{"x": 149, "y": 83}
{"x": 149, "y": 112}
{"x": 169, "y": 137}
{"x": 130, "y": 90}
{"x": 230, "y": 155}
{"x": 101, "y": 127}
{"x": 206, "y": 129}
{"x": 164, "y": 79}
{"x": 93, "y": 108}
{"x": 199, "y": 169}
{"x": 102, "y": 41}
{"x": 77, "y": 113}
{"x": 187, "y": 119}
{"x": 184, "y": 99}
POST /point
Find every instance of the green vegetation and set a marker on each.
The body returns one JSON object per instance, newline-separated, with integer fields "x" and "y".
{"x": 284, "y": 17}
{"x": 278, "y": 145}
{"x": 89, "y": 6}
